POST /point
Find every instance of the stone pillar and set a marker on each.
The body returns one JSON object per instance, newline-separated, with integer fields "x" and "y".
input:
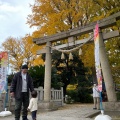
{"x": 47, "y": 81}
{"x": 47, "y": 103}
{"x": 106, "y": 71}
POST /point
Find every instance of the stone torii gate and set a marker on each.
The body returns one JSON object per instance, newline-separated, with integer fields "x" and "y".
{"x": 70, "y": 35}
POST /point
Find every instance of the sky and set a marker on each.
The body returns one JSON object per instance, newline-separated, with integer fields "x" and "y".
{"x": 13, "y": 18}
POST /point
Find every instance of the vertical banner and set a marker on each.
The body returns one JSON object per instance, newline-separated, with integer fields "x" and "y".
{"x": 3, "y": 71}
{"x": 97, "y": 57}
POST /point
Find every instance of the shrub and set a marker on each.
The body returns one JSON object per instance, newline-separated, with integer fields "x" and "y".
{"x": 80, "y": 96}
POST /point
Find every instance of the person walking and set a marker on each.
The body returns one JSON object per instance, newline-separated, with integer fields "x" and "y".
{"x": 21, "y": 84}
{"x": 96, "y": 97}
{"x": 33, "y": 106}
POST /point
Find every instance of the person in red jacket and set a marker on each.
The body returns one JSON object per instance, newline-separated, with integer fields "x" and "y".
{"x": 21, "y": 84}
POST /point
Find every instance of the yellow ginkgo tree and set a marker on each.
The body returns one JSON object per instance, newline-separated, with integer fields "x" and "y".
{"x": 53, "y": 16}
{"x": 21, "y": 51}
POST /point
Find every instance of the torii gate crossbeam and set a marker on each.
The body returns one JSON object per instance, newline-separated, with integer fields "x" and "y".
{"x": 104, "y": 23}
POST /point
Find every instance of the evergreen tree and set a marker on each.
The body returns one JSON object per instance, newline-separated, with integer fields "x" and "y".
{"x": 37, "y": 73}
{"x": 72, "y": 72}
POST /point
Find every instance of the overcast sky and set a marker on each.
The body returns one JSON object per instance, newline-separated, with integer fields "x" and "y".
{"x": 13, "y": 18}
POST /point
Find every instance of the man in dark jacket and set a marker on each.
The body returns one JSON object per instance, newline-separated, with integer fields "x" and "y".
{"x": 20, "y": 86}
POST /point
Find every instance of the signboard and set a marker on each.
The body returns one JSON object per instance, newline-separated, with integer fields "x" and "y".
{"x": 3, "y": 71}
{"x": 97, "y": 57}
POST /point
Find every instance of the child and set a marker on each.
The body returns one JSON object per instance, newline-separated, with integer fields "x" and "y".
{"x": 33, "y": 104}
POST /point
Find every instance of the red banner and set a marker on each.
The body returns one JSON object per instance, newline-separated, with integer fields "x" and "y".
{"x": 3, "y": 71}
{"x": 97, "y": 57}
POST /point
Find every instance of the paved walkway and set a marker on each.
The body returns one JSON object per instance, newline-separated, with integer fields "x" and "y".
{"x": 67, "y": 112}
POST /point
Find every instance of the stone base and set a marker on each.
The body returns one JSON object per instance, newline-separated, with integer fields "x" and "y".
{"x": 47, "y": 106}
{"x": 111, "y": 106}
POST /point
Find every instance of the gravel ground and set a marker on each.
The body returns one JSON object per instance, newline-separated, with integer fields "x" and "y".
{"x": 67, "y": 112}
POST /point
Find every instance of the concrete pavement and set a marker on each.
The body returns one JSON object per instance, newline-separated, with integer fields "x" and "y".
{"x": 67, "y": 112}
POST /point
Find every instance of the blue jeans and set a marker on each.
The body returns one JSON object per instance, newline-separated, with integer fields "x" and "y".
{"x": 33, "y": 113}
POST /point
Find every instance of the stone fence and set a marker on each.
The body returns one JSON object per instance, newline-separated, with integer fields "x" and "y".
{"x": 9, "y": 102}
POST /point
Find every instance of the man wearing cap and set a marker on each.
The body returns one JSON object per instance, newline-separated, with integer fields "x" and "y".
{"x": 20, "y": 86}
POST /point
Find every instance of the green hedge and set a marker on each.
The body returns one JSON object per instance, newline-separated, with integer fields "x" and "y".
{"x": 80, "y": 96}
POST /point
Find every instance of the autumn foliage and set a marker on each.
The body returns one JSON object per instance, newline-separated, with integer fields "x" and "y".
{"x": 54, "y": 16}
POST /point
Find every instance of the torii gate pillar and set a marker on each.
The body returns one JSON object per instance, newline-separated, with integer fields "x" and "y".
{"x": 106, "y": 70}
{"x": 47, "y": 103}
{"x": 112, "y": 103}
{"x": 47, "y": 82}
